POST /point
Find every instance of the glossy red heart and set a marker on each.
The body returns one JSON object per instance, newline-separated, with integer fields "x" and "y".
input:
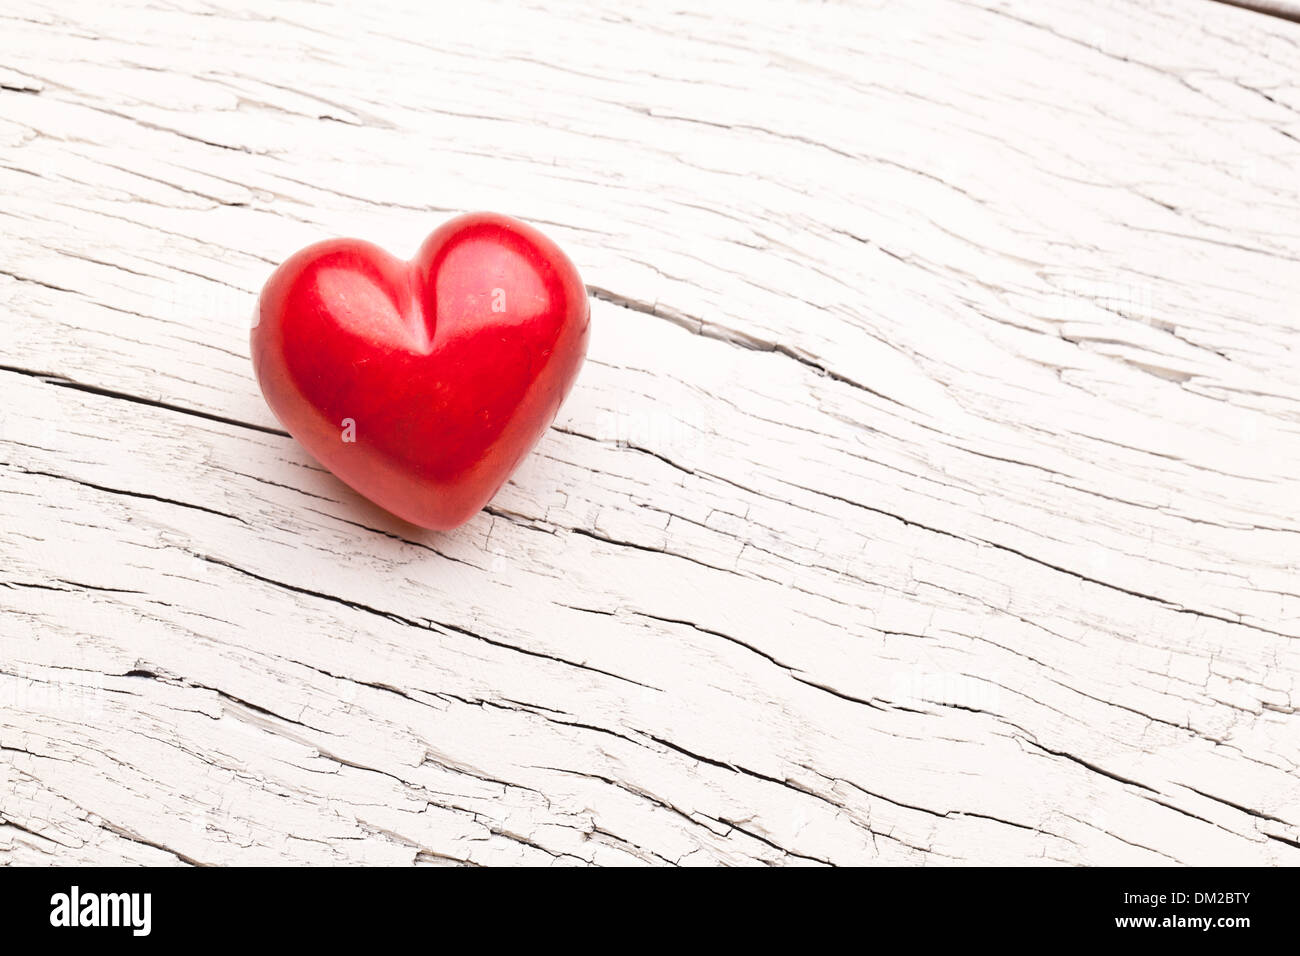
{"x": 422, "y": 384}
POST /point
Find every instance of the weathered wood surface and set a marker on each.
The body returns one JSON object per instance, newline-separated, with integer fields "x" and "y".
{"x": 929, "y": 495}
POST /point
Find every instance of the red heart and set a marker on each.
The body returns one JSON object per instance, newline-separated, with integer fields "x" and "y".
{"x": 423, "y": 384}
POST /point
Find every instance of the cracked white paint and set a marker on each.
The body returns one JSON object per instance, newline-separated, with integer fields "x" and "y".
{"x": 929, "y": 495}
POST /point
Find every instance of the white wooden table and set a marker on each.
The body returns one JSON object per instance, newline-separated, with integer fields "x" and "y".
{"x": 929, "y": 494}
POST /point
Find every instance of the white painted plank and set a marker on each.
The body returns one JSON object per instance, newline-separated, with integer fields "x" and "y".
{"x": 928, "y": 496}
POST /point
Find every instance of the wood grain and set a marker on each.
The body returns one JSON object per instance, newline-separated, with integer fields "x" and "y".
{"x": 1286, "y": 9}
{"x": 929, "y": 495}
